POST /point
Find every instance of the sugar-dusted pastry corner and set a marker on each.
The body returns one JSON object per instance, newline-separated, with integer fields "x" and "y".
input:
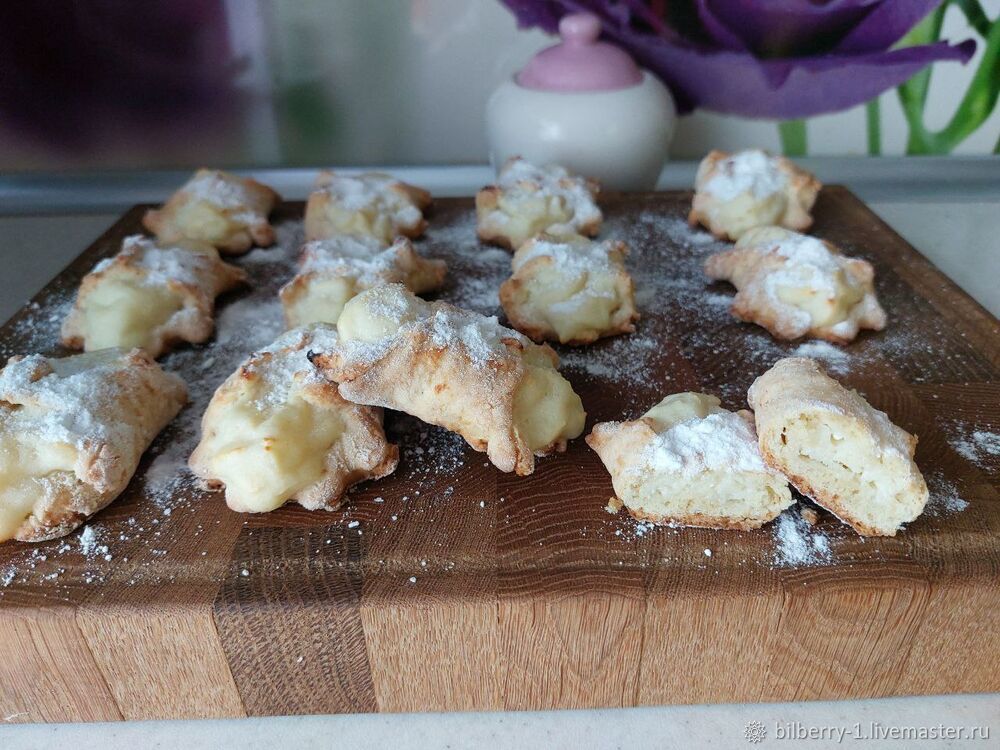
{"x": 836, "y": 448}
{"x": 367, "y": 205}
{"x": 219, "y": 208}
{"x": 275, "y": 432}
{"x": 457, "y": 369}
{"x": 737, "y": 192}
{"x": 527, "y": 200}
{"x": 689, "y": 462}
{"x": 334, "y": 270}
{"x": 573, "y": 291}
{"x": 150, "y": 296}
{"x": 72, "y": 431}
{"x": 795, "y": 285}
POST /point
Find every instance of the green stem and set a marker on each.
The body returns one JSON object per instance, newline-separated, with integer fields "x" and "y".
{"x": 913, "y": 93}
{"x": 873, "y": 117}
{"x": 975, "y": 15}
{"x": 794, "y": 141}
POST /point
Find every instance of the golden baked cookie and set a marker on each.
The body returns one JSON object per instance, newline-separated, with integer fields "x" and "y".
{"x": 737, "y": 192}
{"x": 836, "y": 448}
{"x": 275, "y": 432}
{"x": 457, "y": 369}
{"x": 151, "y": 296}
{"x": 334, "y": 270}
{"x": 528, "y": 200}
{"x": 795, "y": 285}
{"x": 367, "y": 205}
{"x": 689, "y": 462}
{"x": 226, "y": 211}
{"x": 572, "y": 291}
{"x": 72, "y": 431}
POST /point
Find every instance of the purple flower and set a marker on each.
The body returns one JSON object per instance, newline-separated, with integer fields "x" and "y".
{"x": 763, "y": 58}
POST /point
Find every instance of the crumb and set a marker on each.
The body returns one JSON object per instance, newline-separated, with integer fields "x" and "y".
{"x": 614, "y": 505}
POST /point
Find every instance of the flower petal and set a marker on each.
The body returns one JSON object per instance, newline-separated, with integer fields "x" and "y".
{"x": 737, "y": 83}
{"x": 886, "y": 25}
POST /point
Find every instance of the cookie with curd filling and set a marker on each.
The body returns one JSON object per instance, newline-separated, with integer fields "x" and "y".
{"x": 72, "y": 431}
{"x": 689, "y": 462}
{"x": 334, "y": 270}
{"x": 737, "y": 192}
{"x": 151, "y": 296}
{"x": 795, "y": 285}
{"x": 573, "y": 292}
{"x": 368, "y": 205}
{"x": 457, "y": 369}
{"x": 219, "y": 208}
{"x": 528, "y": 200}
{"x": 276, "y": 432}
{"x": 836, "y": 448}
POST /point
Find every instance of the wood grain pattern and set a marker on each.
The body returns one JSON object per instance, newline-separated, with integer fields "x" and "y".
{"x": 451, "y": 586}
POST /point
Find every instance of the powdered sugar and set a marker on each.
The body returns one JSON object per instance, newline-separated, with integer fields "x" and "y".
{"x": 981, "y": 447}
{"x": 796, "y": 543}
{"x": 371, "y": 193}
{"x": 573, "y": 256}
{"x": 520, "y": 179}
{"x": 752, "y": 171}
{"x": 835, "y": 358}
{"x": 722, "y": 440}
{"x": 224, "y": 192}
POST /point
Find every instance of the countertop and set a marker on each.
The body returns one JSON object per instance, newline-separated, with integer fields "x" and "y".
{"x": 948, "y": 209}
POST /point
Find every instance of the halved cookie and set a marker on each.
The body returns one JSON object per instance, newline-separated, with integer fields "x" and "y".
{"x": 689, "y": 462}
{"x": 835, "y": 448}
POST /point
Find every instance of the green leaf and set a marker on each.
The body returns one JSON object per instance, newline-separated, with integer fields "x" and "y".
{"x": 794, "y": 140}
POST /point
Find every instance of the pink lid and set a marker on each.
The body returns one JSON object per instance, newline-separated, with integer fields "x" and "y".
{"x": 580, "y": 63}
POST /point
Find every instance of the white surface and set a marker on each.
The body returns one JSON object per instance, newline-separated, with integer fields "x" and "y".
{"x": 635, "y": 728}
{"x": 962, "y": 238}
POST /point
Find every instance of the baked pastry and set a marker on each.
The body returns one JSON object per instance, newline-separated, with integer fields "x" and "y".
{"x": 737, "y": 192}
{"x": 219, "y": 208}
{"x": 275, "y": 431}
{"x": 456, "y": 369}
{"x": 689, "y": 462}
{"x": 572, "y": 291}
{"x": 369, "y": 205}
{"x": 333, "y": 270}
{"x": 72, "y": 431}
{"x": 151, "y": 296}
{"x": 528, "y": 200}
{"x": 795, "y": 285}
{"x": 835, "y": 448}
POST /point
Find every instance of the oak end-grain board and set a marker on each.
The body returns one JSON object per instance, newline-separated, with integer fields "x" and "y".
{"x": 461, "y": 588}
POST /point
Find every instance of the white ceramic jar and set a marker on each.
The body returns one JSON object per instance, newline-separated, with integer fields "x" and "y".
{"x": 584, "y": 104}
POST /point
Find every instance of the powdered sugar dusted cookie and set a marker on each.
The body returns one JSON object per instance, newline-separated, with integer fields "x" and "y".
{"x": 573, "y": 291}
{"x": 528, "y": 200}
{"x": 72, "y": 431}
{"x": 456, "y": 369}
{"x": 795, "y": 285}
{"x": 368, "y": 205}
{"x": 737, "y": 192}
{"x": 332, "y": 271}
{"x": 836, "y": 448}
{"x": 219, "y": 208}
{"x": 151, "y": 296}
{"x": 687, "y": 461}
{"x": 275, "y": 431}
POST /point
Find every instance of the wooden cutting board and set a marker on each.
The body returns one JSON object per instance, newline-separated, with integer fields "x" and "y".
{"x": 451, "y": 586}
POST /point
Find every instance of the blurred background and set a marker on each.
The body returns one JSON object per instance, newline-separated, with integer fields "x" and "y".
{"x": 94, "y": 84}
